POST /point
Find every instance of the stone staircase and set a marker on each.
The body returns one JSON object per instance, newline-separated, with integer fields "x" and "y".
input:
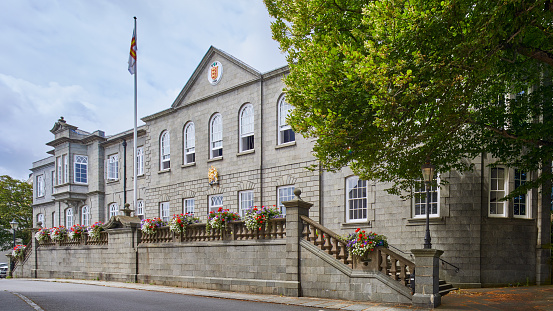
{"x": 446, "y": 288}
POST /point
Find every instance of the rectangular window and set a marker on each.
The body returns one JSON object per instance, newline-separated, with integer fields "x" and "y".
{"x": 140, "y": 208}
{"x": 164, "y": 211}
{"x": 65, "y": 169}
{"x": 498, "y": 188}
{"x": 81, "y": 169}
{"x": 188, "y": 206}
{"x": 40, "y": 186}
{"x": 68, "y": 218}
{"x": 520, "y": 202}
{"x": 356, "y": 199}
{"x": 245, "y": 201}
{"x": 53, "y": 180}
{"x": 139, "y": 161}
{"x": 59, "y": 171}
{"x": 420, "y": 199}
{"x": 215, "y": 202}
{"x": 284, "y": 194}
{"x": 113, "y": 167}
{"x": 54, "y": 220}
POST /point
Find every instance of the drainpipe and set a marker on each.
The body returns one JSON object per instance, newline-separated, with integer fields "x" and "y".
{"x": 261, "y": 144}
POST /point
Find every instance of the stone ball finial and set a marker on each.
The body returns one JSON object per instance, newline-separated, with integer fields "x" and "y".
{"x": 297, "y": 192}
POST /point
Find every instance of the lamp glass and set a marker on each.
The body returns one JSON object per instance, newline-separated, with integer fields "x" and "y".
{"x": 428, "y": 172}
{"x": 13, "y": 224}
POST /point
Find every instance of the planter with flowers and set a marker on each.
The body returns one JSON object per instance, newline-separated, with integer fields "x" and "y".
{"x": 76, "y": 232}
{"x": 150, "y": 226}
{"x": 179, "y": 222}
{"x": 43, "y": 235}
{"x": 257, "y": 219}
{"x": 58, "y": 233}
{"x": 95, "y": 230}
{"x": 19, "y": 252}
{"x": 220, "y": 219}
{"x": 361, "y": 246}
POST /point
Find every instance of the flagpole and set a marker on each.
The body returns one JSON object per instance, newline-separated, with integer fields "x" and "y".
{"x": 135, "y": 137}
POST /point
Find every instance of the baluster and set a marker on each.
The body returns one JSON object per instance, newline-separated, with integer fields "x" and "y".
{"x": 393, "y": 268}
{"x": 403, "y": 274}
{"x": 383, "y": 263}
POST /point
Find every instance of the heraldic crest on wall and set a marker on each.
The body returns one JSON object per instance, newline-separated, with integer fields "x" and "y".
{"x": 213, "y": 176}
{"x": 215, "y": 72}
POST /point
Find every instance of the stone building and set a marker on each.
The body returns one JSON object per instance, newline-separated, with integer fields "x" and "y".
{"x": 230, "y": 119}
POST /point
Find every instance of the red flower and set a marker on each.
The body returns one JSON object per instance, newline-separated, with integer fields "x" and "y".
{"x": 357, "y": 230}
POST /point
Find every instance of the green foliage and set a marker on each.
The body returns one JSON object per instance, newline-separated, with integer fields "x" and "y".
{"x": 385, "y": 85}
{"x": 16, "y": 198}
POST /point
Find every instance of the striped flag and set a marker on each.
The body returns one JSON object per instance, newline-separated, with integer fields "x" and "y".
{"x": 132, "y": 56}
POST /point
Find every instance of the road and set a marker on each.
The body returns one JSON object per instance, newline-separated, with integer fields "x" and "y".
{"x": 31, "y": 295}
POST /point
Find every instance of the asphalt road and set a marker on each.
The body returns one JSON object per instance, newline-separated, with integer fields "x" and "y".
{"x": 28, "y": 295}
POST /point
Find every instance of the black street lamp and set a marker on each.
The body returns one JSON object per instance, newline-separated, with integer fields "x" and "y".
{"x": 13, "y": 224}
{"x": 428, "y": 176}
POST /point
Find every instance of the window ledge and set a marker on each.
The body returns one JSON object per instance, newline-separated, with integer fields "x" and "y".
{"x": 188, "y": 164}
{"x": 215, "y": 159}
{"x": 355, "y": 225}
{"x": 245, "y": 152}
{"x": 289, "y": 144}
{"x": 167, "y": 170}
{"x": 422, "y": 221}
{"x": 111, "y": 181}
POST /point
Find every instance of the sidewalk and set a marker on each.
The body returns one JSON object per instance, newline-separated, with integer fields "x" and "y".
{"x": 508, "y": 298}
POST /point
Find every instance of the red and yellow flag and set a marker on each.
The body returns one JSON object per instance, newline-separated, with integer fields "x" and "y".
{"x": 132, "y": 56}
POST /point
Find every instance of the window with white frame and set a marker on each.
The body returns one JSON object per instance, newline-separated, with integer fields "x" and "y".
{"x": 59, "y": 171}
{"x": 165, "y": 151}
{"x": 356, "y": 199}
{"x": 40, "y": 219}
{"x": 215, "y": 202}
{"x": 69, "y": 218}
{"x": 188, "y": 206}
{"x": 54, "y": 220}
{"x": 246, "y": 128}
{"x": 113, "y": 210}
{"x": 139, "y": 161}
{"x": 189, "y": 143}
{"x": 40, "y": 186}
{"x": 420, "y": 198}
{"x": 245, "y": 201}
{"x": 284, "y": 194}
{"x": 81, "y": 169}
{"x": 216, "y": 136}
{"x": 53, "y": 180}
{"x": 285, "y": 132}
{"x": 164, "y": 211}
{"x": 65, "y": 169}
{"x": 113, "y": 167}
{"x": 140, "y": 209}
{"x": 520, "y": 202}
{"x": 498, "y": 190}
{"x": 85, "y": 215}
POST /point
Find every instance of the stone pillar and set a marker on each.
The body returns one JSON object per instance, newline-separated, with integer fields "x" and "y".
{"x": 294, "y": 209}
{"x": 427, "y": 282}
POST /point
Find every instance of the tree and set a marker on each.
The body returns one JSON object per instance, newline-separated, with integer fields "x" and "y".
{"x": 384, "y": 86}
{"x": 16, "y": 198}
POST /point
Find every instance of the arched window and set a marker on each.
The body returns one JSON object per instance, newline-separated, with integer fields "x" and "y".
{"x": 285, "y": 132}
{"x": 246, "y": 128}
{"x": 69, "y": 218}
{"x": 40, "y": 220}
{"x": 189, "y": 143}
{"x": 165, "y": 151}
{"x": 216, "y": 136}
{"x": 85, "y": 216}
{"x": 113, "y": 210}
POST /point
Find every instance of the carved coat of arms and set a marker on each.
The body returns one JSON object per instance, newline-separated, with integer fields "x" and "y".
{"x": 213, "y": 175}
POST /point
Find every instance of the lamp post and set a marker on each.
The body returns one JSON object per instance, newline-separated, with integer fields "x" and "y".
{"x": 13, "y": 224}
{"x": 428, "y": 175}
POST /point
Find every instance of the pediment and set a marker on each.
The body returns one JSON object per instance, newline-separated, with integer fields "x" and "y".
{"x": 218, "y": 72}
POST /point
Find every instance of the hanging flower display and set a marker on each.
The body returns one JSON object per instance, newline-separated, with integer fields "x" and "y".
{"x": 58, "y": 233}
{"x": 220, "y": 218}
{"x": 257, "y": 217}
{"x": 19, "y": 251}
{"x": 95, "y": 229}
{"x": 149, "y": 226}
{"x": 43, "y": 234}
{"x": 360, "y": 242}
{"x": 76, "y": 231}
{"x": 179, "y": 222}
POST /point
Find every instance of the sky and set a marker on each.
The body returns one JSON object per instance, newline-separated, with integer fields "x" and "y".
{"x": 69, "y": 58}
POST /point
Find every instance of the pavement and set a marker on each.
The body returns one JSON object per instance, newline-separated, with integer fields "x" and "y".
{"x": 506, "y": 298}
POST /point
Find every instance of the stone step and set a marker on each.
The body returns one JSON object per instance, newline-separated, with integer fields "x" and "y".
{"x": 445, "y": 288}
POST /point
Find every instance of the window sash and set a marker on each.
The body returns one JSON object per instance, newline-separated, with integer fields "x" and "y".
{"x": 113, "y": 167}
{"x": 216, "y": 136}
{"x": 520, "y": 202}
{"x": 139, "y": 161}
{"x": 59, "y": 172}
{"x": 498, "y": 190}
{"x": 420, "y": 198}
{"x": 164, "y": 211}
{"x": 68, "y": 218}
{"x": 40, "y": 218}
{"x": 245, "y": 202}
{"x": 140, "y": 207}
{"x": 40, "y": 185}
{"x": 113, "y": 209}
{"x": 188, "y": 206}
{"x": 85, "y": 211}
{"x": 246, "y": 128}
{"x": 356, "y": 199}
{"x": 284, "y": 194}
{"x": 189, "y": 144}
{"x": 285, "y": 132}
{"x": 215, "y": 201}
{"x": 81, "y": 169}
{"x": 65, "y": 169}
